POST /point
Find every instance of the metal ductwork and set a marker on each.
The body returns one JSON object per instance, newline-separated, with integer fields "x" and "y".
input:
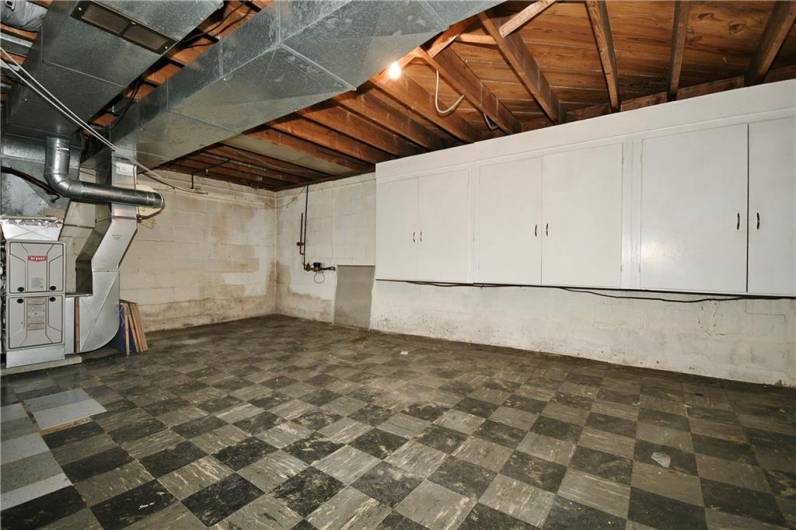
{"x": 288, "y": 56}
{"x": 86, "y": 66}
{"x": 56, "y": 173}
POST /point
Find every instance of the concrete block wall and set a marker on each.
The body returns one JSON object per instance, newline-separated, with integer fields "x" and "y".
{"x": 341, "y": 230}
{"x": 206, "y": 258}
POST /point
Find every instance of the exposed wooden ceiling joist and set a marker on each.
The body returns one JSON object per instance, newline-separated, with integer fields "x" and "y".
{"x": 459, "y": 76}
{"x": 603, "y": 36}
{"x": 523, "y": 64}
{"x": 356, "y": 127}
{"x": 777, "y": 28}
{"x": 365, "y": 104}
{"x": 322, "y": 153}
{"x": 414, "y": 97}
{"x": 524, "y": 16}
{"x": 288, "y": 168}
{"x": 321, "y": 135}
{"x": 679, "y": 33}
{"x": 446, "y": 38}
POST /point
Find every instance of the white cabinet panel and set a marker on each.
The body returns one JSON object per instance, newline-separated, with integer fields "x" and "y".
{"x": 693, "y": 211}
{"x": 508, "y": 222}
{"x": 772, "y": 207}
{"x": 397, "y": 229}
{"x": 444, "y": 234}
{"x": 582, "y": 214}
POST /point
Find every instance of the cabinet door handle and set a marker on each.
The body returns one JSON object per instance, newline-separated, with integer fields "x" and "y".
{"x": 758, "y": 220}
{"x": 413, "y": 237}
{"x": 421, "y": 236}
{"x": 535, "y": 230}
{"x": 547, "y": 229}
{"x": 738, "y": 221}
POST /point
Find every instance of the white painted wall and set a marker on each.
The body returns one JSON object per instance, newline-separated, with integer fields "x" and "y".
{"x": 341, "y": 231}
{"x": 205, "y": 258}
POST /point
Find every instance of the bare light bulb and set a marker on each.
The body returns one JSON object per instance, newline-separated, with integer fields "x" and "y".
{"x": 394, "y": 70}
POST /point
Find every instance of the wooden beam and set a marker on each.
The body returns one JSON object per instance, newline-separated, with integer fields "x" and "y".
{"x": 415, "y": 97}
{"x": 243, "y": 167}
{"x": 524, "y": 66}
{"x": 446, "y": 38}
{"x": 203, "y": 169}
{"x": 679, "y": 33}
{"x": 603, "y": 36}
{"x": 323, "y": 136}
{"x": 777, "y": 28}
{"x": 359, "y": 128}
{"x": 364, "y": 104}
{"x": 524, "y": 16}
{"x": 297, "y": 144}
{"x": 474, "y": 38}
{"x": 236, "y": 153}
{"x": 459, "y": 76}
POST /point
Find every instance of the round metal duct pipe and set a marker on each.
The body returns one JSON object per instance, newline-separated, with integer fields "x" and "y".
{"x": 56, "y": 173}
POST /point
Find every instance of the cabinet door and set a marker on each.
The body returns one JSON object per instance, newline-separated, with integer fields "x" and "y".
{"x": 693, "y": 211}
{"x": 396, "y": 228}
{"x": 444, "y": 231}
{"x": 772, "y": 207}
{"x": 582, "y": 217}
{"x": 507, "y": 227}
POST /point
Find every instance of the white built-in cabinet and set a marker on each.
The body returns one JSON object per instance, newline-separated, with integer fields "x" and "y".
{"x": 508, "y": 226}
{"x": 582, "y": 212}
{"x": 423, "y": 226}
{"x": 693, "y": 211}
{"x": 695, "y": 208}
{"x": 772, "y": 207}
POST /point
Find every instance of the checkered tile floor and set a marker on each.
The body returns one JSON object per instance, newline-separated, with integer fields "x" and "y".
{"x": 283, "y": 423}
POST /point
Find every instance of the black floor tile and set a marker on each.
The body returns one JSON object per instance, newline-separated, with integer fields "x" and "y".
{"x": 602, "y": 464}
{"x": 426, "y": 411}
{"x": 317, "y": 419}
{"x": 218, "y": 404}
{"x": 73, "y": 434}
{"x": 566, "y": 515}
{"x": 483, "y": 517}
{"x": 741, "y": 501}
{"x": 372, "y": 415}
{"x": 304, "y": 492}
{"x": 135, "y": 431}
{"x": 680, "y": 460}
{"x": 378, "y": 443}
{"x": 271, "y": 401}
{"x": 782, "y": 483}
{"x": 125, "y": 509}
{"x": 387, "y": 484}
{"x": 259, "y": 423}
{"x": 244, "y": 453}
{"x": 561, "y": 430}
{"x": 396, "y": 521}
{"x": 278, "y": 382}
{"x": 500, "y": 433}
{"x": 320, "y": 397}
{"x": 168, "y": 460}
{"x": 618, "y": 397}
{"x": 726, "y": 449}
{"x": 219, "y": 500}
{"x": 198, "y": 426}
{"x": 441, "y": 439}
{"x": 96, "y": 464}
{"x": 166, "y": 405}
{"x": 44, "y": 510}
{"x": 612, "y": 424}
{"x": 570, "y": 400}
{"x": 312, "y": 449}
{"x": 525, "y": 403}
{"x": 476, "y": 407}
{"x": 462, "y": 477}
{"x": 663, "y": 419}
{"x": 720, "y": 415}
{"x": 534, "y": 471}
{"x": 664, "y": 513}
{"x": 321, "y": 380}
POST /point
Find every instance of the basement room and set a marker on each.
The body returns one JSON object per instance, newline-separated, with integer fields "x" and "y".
{"x": 398, "y": 264}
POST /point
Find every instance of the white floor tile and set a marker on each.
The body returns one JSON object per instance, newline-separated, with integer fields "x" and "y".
{"x": 54, "y": 417}
{"x": 33, "y": 491}
{"x": 22, "y": 447}
{"x": 56, "y": 400}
